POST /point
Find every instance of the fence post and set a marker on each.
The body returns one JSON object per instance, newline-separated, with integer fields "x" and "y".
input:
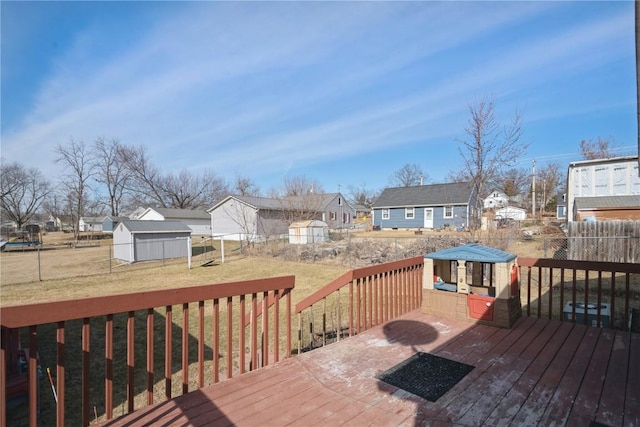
{"x": 39, "y": 271}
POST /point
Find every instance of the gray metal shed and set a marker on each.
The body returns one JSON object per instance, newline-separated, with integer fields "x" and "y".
{"x": 137, "y": 240}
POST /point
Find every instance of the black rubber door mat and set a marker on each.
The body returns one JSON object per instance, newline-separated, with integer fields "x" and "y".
{"x": 426, "y": 375}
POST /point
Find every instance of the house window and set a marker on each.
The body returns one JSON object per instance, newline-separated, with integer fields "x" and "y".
{"x": 385, "y": 213}
{"x": 448, "y": 212}
{"x": 333, "y": 216}
{"x": 409, "y": 213}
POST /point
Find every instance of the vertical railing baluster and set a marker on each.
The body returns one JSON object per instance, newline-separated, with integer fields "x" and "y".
{"x": 358, "y": 306}
{"x": 254, "y": 333}
{"x": 586, "y": 297}
{"x": 200, "y": 344}
{"x": 574, "y": 292}
{"x": 265, "y": 329}
{"x": 86, "y": 370}
{"x": 3, "y": 379}
{"x": 33, "y": 376}
{"x": 599, "y": 300}
{"x": 150, "y": 358}
{"x": 550, "y": 308}
{"x": 288, "y": 323}
{"x": 528, "y": 291}
{"x": 185, "y": 348}
{"x": 300, "y": 333}
{"x": 626, "y": 302}
{"x": 216, "y": 340}
{"x": 324, "y": 322}
{"x": 276, "y": 326}
{"x": 613, "y": 300}
{"x": 242, "y": 336}
{"x": 351, "y": 308}
{"x": 339, "y": 313}
{"x": 539, "y": 291}
{"x": 230, "y": 336}
{"x": 130, "y": 360}
{"x": 561, "y": 294}
{"x": 60, "y": 374}
{"x": 108, "y": 362}
{"x": 168, "y": 350}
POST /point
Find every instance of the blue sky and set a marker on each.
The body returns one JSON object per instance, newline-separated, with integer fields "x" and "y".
{"x": 344, "y": 93}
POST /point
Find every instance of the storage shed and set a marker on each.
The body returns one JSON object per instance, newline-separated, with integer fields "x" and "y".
{"x": 305, "y": 232}
{"x": 472, "y": 282}
{"x": 137, "y": 240}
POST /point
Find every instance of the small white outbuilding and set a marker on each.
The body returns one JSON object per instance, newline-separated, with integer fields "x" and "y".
{"x": 305, "y": 232}
{"x": 512, "y": 212}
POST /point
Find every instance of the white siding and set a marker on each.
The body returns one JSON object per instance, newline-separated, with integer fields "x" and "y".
{"x": 234, "y": 220}
{"x": 122, "y": 244}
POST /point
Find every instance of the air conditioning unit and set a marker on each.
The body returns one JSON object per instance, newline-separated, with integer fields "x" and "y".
{"x": 591, "y": 313}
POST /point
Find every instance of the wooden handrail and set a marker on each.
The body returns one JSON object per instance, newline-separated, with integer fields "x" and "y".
{"x": 49, "y": 312}
{"x": 350, "y": 276}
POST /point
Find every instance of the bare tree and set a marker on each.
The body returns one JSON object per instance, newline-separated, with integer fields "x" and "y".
{"x": 298, "y": 185}
{"x": 488, "y": 149}
{"x": 23, "y": 192}
{"x": 300, "y": 198}
{"x": 244, "y": 186}
{"x": 79, "y": 168}
{"x": 515, "y": 181}
{"x": 184, "y": 190}
{"x": 111, "y": 171}
{"x": 599, "y": 149}
{"x": 548, "y": 180}
{"x": 409, "y": 175}
{"x": 362, "y": 195}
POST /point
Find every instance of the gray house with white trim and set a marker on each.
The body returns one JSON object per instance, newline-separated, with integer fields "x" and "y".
{"x": 138, "y": 240}
{"x": 425, "y": 207}
{"x": 251, "y": 218}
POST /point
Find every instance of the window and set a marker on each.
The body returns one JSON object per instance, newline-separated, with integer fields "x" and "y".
{"x": 448, "y": 212}
{"x": 385, "y": 213}
{"x": 409, "y": 213}
{"x": 333, "y": 216}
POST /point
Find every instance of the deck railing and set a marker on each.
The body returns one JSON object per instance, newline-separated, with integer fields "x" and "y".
{"x": 593, "y": 293}
{"x": 358, "y": 300}
{"x": 103, "y": 321}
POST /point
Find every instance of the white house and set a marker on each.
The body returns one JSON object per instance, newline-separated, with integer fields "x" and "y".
{"x": 90, "y": 223}
{"x": 604, "y": 189}
{"x": 137, "y": 240}
{"x": 197, "y": 220}
{"x": 495, "y": 200}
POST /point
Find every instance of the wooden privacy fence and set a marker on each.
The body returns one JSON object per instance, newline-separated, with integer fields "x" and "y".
{"x": 593, "y": 293}
{"x": 373, "y": 295}
{"x": 607, "y": 241}
{"x": 114, "y": 319}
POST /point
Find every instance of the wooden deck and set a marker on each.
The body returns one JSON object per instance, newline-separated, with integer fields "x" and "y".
{"x": 540, "y": 372}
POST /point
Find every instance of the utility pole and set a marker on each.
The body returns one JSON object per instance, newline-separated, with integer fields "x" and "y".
{"x": 533, "y": 191}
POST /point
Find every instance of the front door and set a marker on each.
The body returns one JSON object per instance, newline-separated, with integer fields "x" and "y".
{"x": 428, "y": 217}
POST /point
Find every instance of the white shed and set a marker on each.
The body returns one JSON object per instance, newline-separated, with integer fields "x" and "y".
{"x": 304, "y": 232}
{"x": 139, "y": 240}
{"x": 512, "y": 212}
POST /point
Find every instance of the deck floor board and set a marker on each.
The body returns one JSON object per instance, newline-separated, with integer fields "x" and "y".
{"x": 540, "y": 372}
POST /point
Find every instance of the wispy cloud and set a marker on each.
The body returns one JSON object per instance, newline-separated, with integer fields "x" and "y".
{"x": 223, "y": 85}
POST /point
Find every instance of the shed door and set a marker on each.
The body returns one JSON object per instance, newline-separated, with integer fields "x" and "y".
{"x": 428, "y": 217}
